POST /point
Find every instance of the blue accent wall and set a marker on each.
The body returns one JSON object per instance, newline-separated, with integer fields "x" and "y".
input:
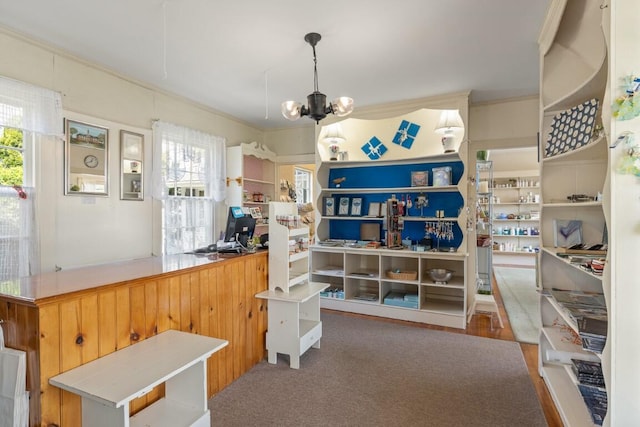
{"x": 380, "y": 177}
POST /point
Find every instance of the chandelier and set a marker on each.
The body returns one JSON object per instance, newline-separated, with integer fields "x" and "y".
{"x": 318, "y": 108}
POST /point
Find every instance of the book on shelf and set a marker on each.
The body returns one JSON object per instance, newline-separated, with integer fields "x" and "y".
{"x": 568, "y": 232}
{"x": 578, "y": 297}
{"x": 588, "y": 372}
{"x": 596, "y": 400}
{"x": 588, "y": 311}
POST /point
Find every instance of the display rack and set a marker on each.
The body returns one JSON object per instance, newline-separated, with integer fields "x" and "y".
{"x": 294, "y": 323}
{"x": 484, "y": 225}
{"x": 516, "y": 219}
{"x": 574, "y": 170}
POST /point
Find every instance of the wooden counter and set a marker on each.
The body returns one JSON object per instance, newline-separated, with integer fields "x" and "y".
{"x": 65, "y": 319}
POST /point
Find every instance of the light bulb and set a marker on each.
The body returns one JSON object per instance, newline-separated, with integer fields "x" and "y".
{"x": 342, "y": 106}
{"x": 291, "y": 110}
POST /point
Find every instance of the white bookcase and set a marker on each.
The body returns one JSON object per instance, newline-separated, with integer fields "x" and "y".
{"x": 294, "y": 323}
{"x": 574, "y": 70}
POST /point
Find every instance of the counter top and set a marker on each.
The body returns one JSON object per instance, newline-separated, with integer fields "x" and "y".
{"x": 47, "y": 285}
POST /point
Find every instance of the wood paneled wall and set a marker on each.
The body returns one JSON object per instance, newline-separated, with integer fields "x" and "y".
{"x": 61, "y": 333}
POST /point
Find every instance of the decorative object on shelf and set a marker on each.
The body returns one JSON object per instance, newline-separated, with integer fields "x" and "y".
{"x": 568, "y": 232}
{"x": 317, "y": 109}
{"x": 329, "y": 206}
{"x": 422, "y": 201}
{"x": 441, "y": 176}
{"x": 356, "y": 206}
{"x": 449, "y": 122}
{"x": 626, "y": 107}
{"x": 374, "y": 209}
{"x": 406, "y": 134}
{"x": 440, "y": 275}
{"x": 419, "y": 178}
{"x": 338, "y": 181}
{"x": 374, "y": 148}
{"x": 572, "y": 128}
{"x": 482, "y": 155}
{"x": 333, "y": 138}
{"x": 440, "y": 230}
{"x": 343, "y": 206}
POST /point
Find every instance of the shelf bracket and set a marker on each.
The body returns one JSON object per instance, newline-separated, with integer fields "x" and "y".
{"x": 238, "y": 180}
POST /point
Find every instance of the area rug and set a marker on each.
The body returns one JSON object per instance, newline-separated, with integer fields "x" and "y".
{"x": 521, "y": 301}
{"x": 376, "y": 373}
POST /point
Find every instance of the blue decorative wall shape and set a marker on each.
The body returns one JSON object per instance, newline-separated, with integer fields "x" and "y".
{"x": 406, "y": 134}
{"x": 374, "y": 148}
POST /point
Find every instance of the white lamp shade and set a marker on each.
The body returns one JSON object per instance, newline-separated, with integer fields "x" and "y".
{"x": 342, "y": 106}
{"x": 450, "y": 120}
{"x": 291, "y": 110}
{"x": 334, "y": 134}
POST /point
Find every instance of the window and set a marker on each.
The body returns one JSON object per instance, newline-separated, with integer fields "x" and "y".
{"x": 28, "y": 115}
{"x": 303, "y": 185}
{"x": 190, "y": 182}
{"x": 11, "y": 157}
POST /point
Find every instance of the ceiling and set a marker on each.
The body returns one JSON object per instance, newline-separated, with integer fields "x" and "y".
{"x": 244, "y": 57}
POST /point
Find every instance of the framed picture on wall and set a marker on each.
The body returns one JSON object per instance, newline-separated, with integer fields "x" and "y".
{"x": 86, "y": 159}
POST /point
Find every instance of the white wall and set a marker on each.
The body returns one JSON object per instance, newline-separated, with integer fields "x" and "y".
{"x": 82, "y": 230}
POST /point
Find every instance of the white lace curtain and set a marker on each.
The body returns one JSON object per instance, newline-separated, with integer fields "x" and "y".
{"x": 19, "y": 255}
{"x": 30, "y": 108}
{"x": 38, "y": 111}
{"x": 215, "y": 172}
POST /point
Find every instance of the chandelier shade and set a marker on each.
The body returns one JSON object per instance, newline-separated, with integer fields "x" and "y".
{"x": 317, "y": 108}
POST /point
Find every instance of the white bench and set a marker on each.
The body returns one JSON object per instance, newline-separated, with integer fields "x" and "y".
{"x": 109, "y": 383}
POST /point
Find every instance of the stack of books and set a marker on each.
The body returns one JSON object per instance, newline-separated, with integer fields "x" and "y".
{"x": 588, "y": 372}
{"x": 589, "y": 312}
{"x": 592, "y": 387}
{"x": 596, "y": 400}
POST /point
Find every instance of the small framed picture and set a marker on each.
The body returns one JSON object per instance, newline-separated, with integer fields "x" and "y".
{"x": 374, "y": 209}
{"x": 419, "y": 178}
{"x": 343, "y": 207}
{"x": 329, "y": 206}
{"x": 356, "y": 206}
{"x": 441, "y": 176}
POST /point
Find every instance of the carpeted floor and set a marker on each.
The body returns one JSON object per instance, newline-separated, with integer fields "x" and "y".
{"x": 521, "y": 301}
{"x": 376, "y": 373}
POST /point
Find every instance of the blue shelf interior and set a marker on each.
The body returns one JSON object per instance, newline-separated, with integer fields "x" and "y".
{"x": 390, "y": 176}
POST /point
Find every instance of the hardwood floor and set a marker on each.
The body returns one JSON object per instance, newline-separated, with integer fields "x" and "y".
{"x": 480, "y": 326}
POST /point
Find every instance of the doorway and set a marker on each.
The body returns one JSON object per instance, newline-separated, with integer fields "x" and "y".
{"x": 296, "y": 183}
{"x": 515, "y": 235}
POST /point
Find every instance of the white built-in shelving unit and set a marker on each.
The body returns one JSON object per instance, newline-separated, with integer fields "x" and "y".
{"x": 251, "y": 176}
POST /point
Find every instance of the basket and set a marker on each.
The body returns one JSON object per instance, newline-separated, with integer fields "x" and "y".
{"x": 402, "y": 275}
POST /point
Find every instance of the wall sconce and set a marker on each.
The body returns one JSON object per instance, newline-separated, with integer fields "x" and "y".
{"x": 332, "y": 138}
{"x": 450, "y": 121}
